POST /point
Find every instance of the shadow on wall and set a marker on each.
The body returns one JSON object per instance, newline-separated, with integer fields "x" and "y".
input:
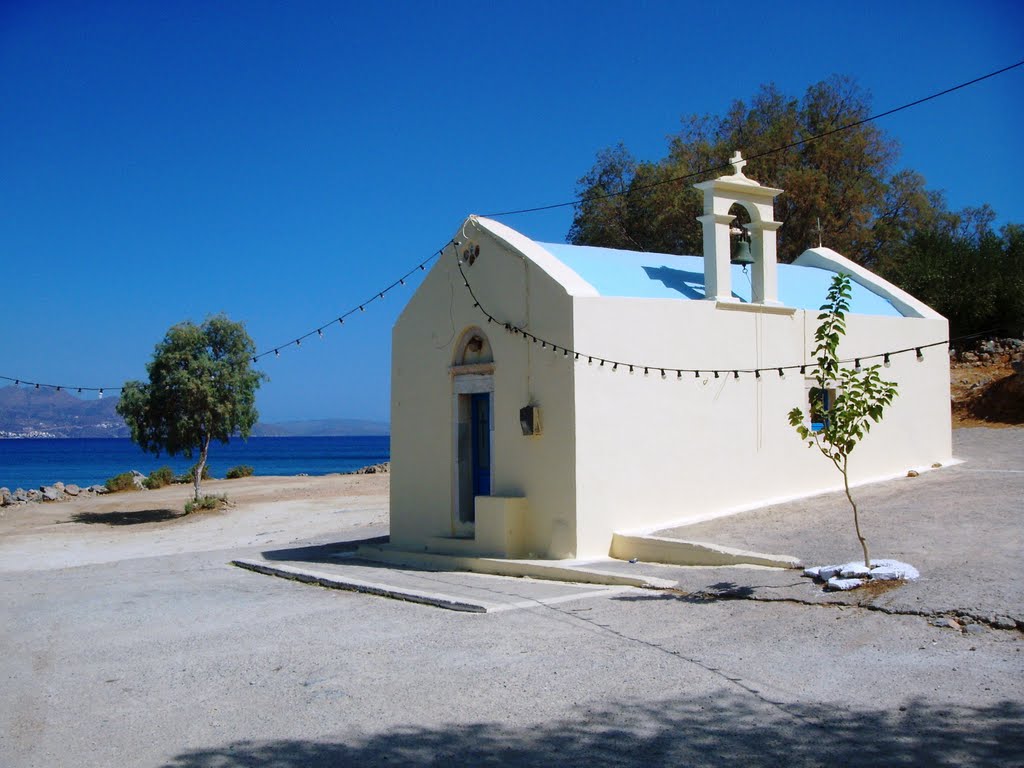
{"x": 724, "y": 730}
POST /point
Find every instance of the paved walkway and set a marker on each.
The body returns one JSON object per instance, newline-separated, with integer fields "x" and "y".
{"x": 961, "y": 526}
{"x": 335, "y": 566}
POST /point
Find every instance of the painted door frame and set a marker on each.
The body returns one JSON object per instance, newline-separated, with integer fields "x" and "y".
{"x": 464, "y": 386}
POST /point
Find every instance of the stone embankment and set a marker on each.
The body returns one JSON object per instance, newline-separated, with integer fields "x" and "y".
{"x": 373, "y": 469}
{"x": 991, "y": 352}
{"x": 55, "y": 492}
{"x": 62, "y": 492}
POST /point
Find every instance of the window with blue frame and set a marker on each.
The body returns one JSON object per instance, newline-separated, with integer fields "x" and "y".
{"x": 821, "y": 401}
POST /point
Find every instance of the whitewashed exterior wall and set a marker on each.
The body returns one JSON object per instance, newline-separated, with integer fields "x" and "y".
{"x": 621, "y": 452}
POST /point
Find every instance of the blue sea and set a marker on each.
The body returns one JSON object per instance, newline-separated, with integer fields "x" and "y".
{"x": 30, "y": 463}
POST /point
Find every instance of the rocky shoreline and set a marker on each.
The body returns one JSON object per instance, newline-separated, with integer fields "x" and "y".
{"x": 56, "y": 492}
{"x": 64, "y": 492}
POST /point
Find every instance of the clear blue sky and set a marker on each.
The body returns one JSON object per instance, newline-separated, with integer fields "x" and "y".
{"x": 281, "y": 162}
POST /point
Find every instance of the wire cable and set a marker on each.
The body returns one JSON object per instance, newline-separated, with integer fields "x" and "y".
{"x": 759, "y": 155}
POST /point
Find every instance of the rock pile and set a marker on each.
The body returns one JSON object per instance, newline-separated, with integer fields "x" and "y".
{"x": 989, "y": 352}
{"x": 855, "y": 574}
{"x": 373, "y": 469}
{"x": 56, "y": 492}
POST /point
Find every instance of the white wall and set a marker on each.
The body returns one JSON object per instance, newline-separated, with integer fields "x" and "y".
{"x": 654, "y": 452}
{"x": 540, "y": 468}
{"x": 621, "y": 452}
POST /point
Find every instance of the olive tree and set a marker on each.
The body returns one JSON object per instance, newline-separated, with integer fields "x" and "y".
{"x": 201, "y": 388}
{"x": 861, "y": 395}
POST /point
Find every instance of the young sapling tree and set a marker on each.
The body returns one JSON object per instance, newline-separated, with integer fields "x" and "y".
{"x": 860, "y": 399}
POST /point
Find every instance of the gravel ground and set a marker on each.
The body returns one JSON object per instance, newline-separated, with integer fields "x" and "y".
{"x": 182, "y": 660}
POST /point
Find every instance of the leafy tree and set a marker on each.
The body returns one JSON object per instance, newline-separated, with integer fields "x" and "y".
{"x": 846, "y": 180}
{"x": 861, "y": 395}
{"x": 966, "y": 271}
{"x": 201, "y": 388}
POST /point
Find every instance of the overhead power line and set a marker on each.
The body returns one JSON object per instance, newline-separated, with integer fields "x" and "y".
{"x": 379, "y": 295}
{"x": 766, "y": 153}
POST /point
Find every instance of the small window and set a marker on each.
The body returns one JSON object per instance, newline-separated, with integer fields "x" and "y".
{"x": 821, "y": 401}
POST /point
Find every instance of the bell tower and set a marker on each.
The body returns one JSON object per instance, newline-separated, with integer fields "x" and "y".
{"x": 719, "y": 196}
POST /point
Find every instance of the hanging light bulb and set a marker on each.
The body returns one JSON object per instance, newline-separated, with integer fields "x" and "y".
{"x": 920, "y": 354}
{"x": 341, "y": 321}
{"x": 757, "y": 374}
{"x": 320, "y": 332}
{"x": 856, "y": 364}
{"x": 886, "y": 361}
{"x": 782, "y": 374}
{"x": 277, "y": 353}
{"x": 735, "y": 374}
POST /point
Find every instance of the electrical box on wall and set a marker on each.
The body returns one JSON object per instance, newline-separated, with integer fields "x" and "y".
{"x": 529, "y": 420}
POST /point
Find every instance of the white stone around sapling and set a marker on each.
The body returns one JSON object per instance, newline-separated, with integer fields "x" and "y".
{"x": 853, "y": 574}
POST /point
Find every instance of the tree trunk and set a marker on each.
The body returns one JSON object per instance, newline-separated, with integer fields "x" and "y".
{"x": 200, "y": 466}
{"x": 856, "y": 520}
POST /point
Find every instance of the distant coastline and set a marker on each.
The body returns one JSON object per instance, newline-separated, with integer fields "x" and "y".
{"x": 28, "y": 414}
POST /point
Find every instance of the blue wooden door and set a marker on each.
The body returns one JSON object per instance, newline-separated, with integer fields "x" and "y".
{"x": 480, "y": 429}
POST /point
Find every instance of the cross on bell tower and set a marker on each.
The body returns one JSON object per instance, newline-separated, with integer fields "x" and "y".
{"x": 719, "y": 196}
{"x": 737, "y": 162}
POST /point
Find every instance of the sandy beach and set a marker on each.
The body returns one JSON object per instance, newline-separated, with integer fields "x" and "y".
{"x": 131, "y": 524}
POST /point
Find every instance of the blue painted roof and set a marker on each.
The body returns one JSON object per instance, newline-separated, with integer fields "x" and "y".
{"x": 663, "y": 276}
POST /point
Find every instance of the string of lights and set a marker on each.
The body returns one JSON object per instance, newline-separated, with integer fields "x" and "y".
{"x": 759, "y": 155}
{"x": 276, "y": 351}
{"x": 664, "y": 371}
{"x": 340, "y": 319}
{"x": 379, "y": 295}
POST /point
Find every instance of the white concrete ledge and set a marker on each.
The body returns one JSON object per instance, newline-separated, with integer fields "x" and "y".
{"x": 553, "y": 570}
{"x": 333, "y": 581}
{"x": 658, "y": 549}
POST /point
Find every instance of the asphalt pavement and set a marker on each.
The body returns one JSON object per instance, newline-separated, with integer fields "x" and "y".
{"x": 186, "y": 660}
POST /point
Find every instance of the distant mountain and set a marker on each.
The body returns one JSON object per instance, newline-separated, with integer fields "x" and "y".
{"x": 322, "y": 428}
{"x": 30, "y": 412}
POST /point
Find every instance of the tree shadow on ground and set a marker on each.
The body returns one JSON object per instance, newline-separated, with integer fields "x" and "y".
{"x": 136, "y": 517}
{"x": 708, "y": 731}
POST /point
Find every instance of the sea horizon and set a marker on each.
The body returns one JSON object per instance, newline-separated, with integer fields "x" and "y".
{"x": 38, "y": 461}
